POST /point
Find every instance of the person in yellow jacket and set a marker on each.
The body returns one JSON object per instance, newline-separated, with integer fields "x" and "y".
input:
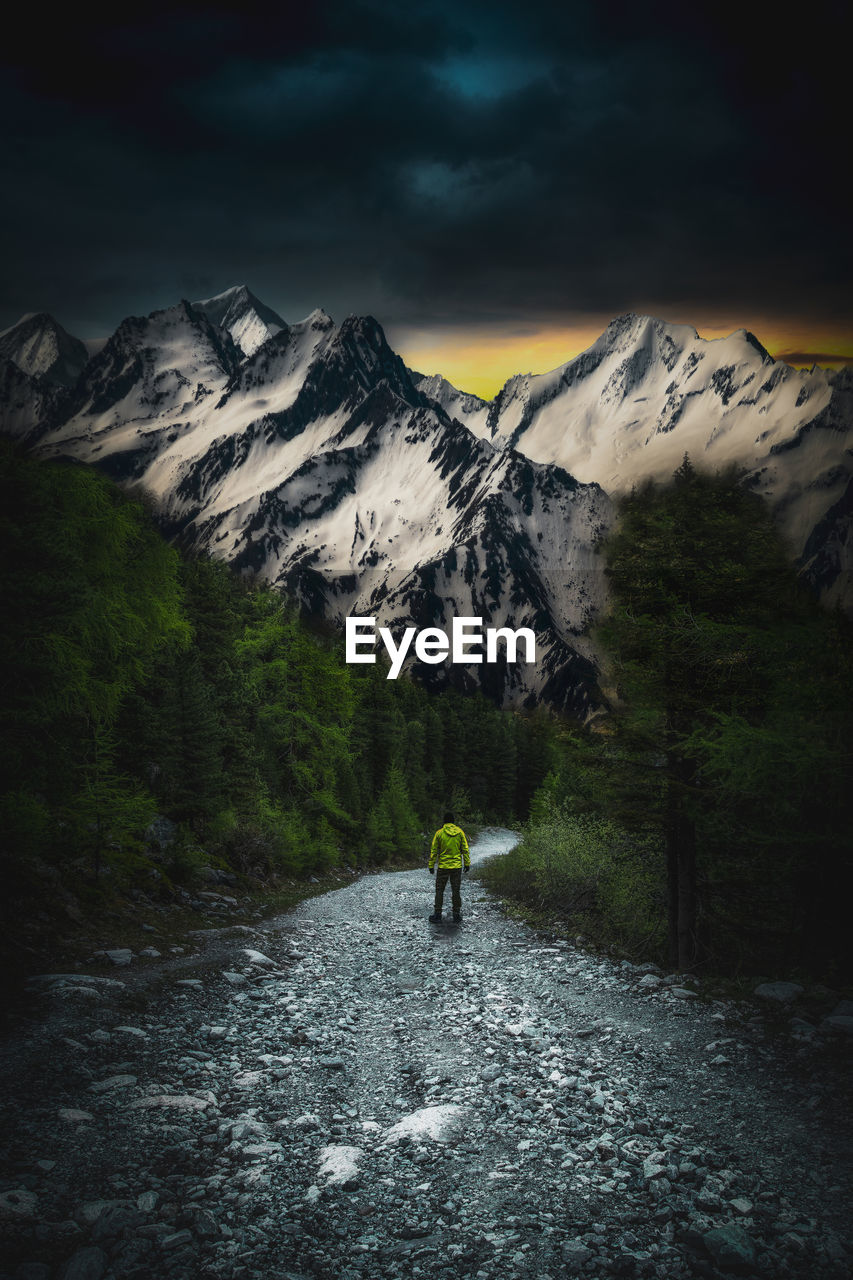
{"x": 450, "y": 851}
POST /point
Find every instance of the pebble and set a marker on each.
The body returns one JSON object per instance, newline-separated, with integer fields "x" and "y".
{"x": 575, "y": 1253}
{"x": 72, "y": 1115}
{"x": 112, "y": 1082}
{"x": 742, "y": 1206}
{"x": 175, "y": 1239}
{"x": 88, "y": 979}
{"x": 173, "y": 1101}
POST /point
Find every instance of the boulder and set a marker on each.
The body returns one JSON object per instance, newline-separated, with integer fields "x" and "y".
{"x": 780, "y": 992}
{"x": 18, "y": 1203}
{"x": 839, "y": 1022}
{"x": 161, "y": 831}
{"x": 731, "y": 1248}
{"x": 576, "y": 1253}
{"x": 85, "y": 1264}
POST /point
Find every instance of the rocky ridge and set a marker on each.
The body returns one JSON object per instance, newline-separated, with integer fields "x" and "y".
{"x": 317, "y": 463}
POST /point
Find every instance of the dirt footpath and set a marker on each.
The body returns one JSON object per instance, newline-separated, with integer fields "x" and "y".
{"x": 348, "y": 1091}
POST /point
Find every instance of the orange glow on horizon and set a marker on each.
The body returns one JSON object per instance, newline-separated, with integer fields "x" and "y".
{"x": 481, "y": 360}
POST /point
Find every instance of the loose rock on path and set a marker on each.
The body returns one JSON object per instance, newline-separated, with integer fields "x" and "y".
{"x": 348, "y": 1091}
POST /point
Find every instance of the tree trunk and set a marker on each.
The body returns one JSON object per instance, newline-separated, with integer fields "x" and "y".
{"x": 680, "y": 868}
{"x": 687, "y": 944}
{"x": 672, "y": 890}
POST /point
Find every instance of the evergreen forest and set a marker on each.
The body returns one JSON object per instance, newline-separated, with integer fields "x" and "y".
{"x": 138, "y": 684}
{"x": 702, "y": 821}
{"x": 706, "y": 823}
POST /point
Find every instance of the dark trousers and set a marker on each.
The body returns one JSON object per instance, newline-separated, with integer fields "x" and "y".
{"x": 454, "y": 875}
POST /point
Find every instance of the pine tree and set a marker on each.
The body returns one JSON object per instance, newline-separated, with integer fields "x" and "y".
{"x": 401, "y": 817}
{"x": 698, "y": 574}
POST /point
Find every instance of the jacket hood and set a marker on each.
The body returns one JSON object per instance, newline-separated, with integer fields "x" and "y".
{"x": 451, "y": 828}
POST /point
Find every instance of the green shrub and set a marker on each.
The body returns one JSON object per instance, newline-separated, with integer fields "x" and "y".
{"x": 184, "y": 859}
{"x": 608, "y": 882}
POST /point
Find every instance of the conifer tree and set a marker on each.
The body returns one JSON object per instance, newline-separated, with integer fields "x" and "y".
{"x": 698, "y": 574}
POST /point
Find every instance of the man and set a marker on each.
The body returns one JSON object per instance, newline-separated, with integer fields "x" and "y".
{"x": 450, "y": 849}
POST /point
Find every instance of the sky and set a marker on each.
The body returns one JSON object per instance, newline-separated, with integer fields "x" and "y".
{"x": 493, "y": 181}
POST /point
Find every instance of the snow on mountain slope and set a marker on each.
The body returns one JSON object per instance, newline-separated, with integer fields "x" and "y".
{"x": 155, "y": 376}
{"x": 646, "y": 392}
{"x": 41, "y": 348}
{"x": 321, "y": 462}
{"x": 404, "y": 516}
{"x": 318, "y": 463}
{"x": 25, "y": 401}
{"x": 249, "y": 321}
{"x": 809, "y": 478}
{"x": 462, "y": 405}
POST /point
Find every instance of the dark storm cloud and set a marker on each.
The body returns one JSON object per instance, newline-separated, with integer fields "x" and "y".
{"x": 434, "y": 163}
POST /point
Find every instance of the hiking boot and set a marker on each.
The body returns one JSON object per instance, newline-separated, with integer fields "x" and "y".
{"x": 457, "y": 917}
{"x": 435, "y": 918}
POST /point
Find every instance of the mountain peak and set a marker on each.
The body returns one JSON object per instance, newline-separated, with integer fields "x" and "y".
{"x": 232, "y": 293}
{"x": 624, "y": 323}
{"x": 750, "y": 337}
{"x": 363, "y": 324}
{"x": 41, "y": 348}
{"x": 30, "y": 321}
{"x": 249, "y": 321}
{"x": 323, "y": 463}
{"x": 635, "y": 324}
{"x": 40, "y": 316}
{"x": 318, "y": 319}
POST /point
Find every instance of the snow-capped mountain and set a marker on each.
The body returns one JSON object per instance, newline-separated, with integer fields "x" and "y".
{"x": 41, "y": 348}
{"x": 468, "y": 408}
{"x": 646, "y": 392}
{"x": 249, "y": 321}
{"x": 309, "y": 454}
{"x": 318, "y": 463}
{"x": 25, "y": 402}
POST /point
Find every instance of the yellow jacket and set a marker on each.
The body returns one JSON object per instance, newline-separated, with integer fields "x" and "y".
{"x": 449, "y": 846}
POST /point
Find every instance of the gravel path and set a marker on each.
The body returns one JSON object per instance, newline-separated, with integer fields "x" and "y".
{"x": 349, "y": 1091}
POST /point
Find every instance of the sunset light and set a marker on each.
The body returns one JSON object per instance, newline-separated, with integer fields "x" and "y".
{"x": 481, "y": 360}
